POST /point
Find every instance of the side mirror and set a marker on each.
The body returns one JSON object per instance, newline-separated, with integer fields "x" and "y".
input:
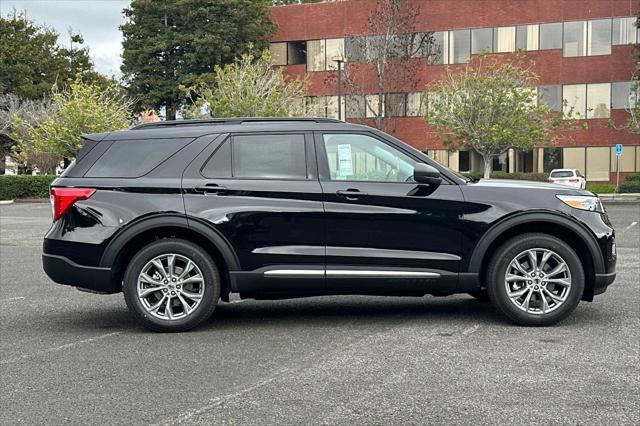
{"x": 424, "y": 173}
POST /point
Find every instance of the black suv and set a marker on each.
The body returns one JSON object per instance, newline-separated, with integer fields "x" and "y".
{"x": 177, "y": 215}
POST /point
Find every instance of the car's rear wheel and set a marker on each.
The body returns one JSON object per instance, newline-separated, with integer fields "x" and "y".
{"x": 535, "y": 279}
{"x": 171, "y": 285}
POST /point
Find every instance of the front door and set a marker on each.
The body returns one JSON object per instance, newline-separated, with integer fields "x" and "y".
{"x": 385, "y": 232}
{"x": 261, "y": 193}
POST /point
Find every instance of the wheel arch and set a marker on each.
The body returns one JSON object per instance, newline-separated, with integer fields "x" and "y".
{"x": 568, "y": 230}
{"x": 129, "y": 240}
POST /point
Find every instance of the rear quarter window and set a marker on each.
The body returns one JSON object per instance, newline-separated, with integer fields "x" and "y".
{"x": 135, "y": 157}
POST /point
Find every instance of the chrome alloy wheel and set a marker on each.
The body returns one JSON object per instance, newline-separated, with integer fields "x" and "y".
{"x": 538, "y": 281}
{"x": 170, "y": 286}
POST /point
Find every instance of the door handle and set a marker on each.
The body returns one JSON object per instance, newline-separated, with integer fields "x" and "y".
{"x": 351, "y": 193}
{"x": 211, "y": 188}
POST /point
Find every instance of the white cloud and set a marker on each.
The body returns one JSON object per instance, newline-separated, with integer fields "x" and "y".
{"x": 97, "y": 21}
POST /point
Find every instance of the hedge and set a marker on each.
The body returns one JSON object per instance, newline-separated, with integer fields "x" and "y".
{"x": 25, "y": 186}
{"x": 541, "y": 177}
{"x": 630, "y": 187}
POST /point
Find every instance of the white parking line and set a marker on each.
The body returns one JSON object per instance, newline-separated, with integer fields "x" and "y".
{"x": 631, "y": 226}
{"x": 58, "y": 348}
{"x": 11, "y": 299}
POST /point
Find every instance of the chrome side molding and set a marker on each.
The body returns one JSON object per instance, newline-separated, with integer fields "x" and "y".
{"x": 347, "y": 273}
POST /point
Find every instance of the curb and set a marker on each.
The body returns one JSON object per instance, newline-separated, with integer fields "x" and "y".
{"x": 32, "y": 201}
{"x": 620, "y": 198}
{"x": 5, "y": 202}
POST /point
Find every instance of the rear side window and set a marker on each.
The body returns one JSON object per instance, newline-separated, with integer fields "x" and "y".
{"x": 562, "y": 174}
{"x": 259, "y": 157}
{"x": 136, "y": 157}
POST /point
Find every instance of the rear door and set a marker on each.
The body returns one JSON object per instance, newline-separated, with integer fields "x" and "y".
{"x": 260, "y": 191}
{"x": 385, "y": 232}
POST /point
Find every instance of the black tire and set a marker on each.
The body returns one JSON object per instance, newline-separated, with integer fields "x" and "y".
{"x": 211, "y": 291}
{"x": 501, "y": 260}
{"x": 481, "y": 295}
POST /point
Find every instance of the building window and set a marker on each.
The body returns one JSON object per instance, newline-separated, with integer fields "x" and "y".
{"x": 622, "y": 95}
{"x": 598, "y": 163}
{"x": 551, "y": 36}
{"x": 598, "y": 100}
{"x": 372, "y": 104}
{"x": 551, "y": 96}
{"x": 624, "y": 30}
{"x": 599, "y": 37}
{"x": 573, "y": 158}
{"x": 316, "y": 58}
{"x": 501, "y": 162}
{"x": 355, "y": 106}
{"x": 278, "y": 53}
{"x": 575, "y": 39}
{"x": 335, "y": 49}
{"x": 551, "y": 159}
{"x": 527, "y": 37}
{"x": 627, "y": 159}
{"x": 481, "y": 40}
{"x": 416, "y": 104}
{"x": 439, "y": 155}
{"x": 320, "y": 54}
{"x": 296, "y": 52}
{"x": 439, "y": 48}
{"x": 395, "y": 104}
{"x": 464, "y": 161}
{"x": 459, "y": 46}
{"x": 575, "y": 100}
{"x": 353, "y": 48}
{"x": 504, "y": 39}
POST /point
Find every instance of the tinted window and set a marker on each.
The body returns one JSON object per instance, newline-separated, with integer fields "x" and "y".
{"x": 134, "y": 158}
{"x": 269, "y": 157}
{"x": 219, "y": 164}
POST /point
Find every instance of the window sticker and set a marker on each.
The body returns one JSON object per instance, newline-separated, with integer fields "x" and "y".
{"x": 345, "y": 161}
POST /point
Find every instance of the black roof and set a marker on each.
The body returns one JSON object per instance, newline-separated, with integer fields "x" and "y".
{"x": 197, "y": 128}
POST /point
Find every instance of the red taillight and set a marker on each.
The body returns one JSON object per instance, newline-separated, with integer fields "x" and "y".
{"x": 573, "y": 180}
{"x": 63, "y": 198}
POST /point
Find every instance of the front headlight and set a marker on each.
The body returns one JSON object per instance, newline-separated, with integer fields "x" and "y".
{"x": 592, "y": 204}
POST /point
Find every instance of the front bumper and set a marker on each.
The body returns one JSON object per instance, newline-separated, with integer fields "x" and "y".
{"x": 64, "y": 271}
{"x": 603, "y": 281}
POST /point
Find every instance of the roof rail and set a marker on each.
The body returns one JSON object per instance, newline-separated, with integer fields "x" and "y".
{"x": 235, "y": 120}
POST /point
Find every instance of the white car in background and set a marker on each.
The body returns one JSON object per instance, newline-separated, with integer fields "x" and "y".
{"x": 570, "y": 177}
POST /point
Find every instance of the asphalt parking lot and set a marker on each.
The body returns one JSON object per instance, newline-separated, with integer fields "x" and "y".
{"x": 77, "y": 358}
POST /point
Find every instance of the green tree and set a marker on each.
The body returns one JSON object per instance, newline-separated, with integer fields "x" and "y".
{"x": 32, "y": 61}
{"x": 491, "y": 106}
{"x": 173, "y": 43}
{"x": 249, "y": 87}
{"x": 81, "y": 108}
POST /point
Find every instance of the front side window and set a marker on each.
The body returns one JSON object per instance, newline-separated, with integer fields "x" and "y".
{"x": 551, "y": 36}
{"x": 269, "y": 156}
{"x": 358, "y": 157}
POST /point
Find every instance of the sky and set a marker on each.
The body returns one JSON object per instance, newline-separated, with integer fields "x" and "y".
{"x": 96, "y": 20}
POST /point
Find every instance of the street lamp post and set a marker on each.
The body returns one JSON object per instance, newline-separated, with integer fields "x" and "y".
{"x": 339, "y": 59}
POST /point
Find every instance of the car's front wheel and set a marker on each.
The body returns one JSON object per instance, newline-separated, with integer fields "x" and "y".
{"x": 535, "y": 279}
{"x": 171, "y": 285}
